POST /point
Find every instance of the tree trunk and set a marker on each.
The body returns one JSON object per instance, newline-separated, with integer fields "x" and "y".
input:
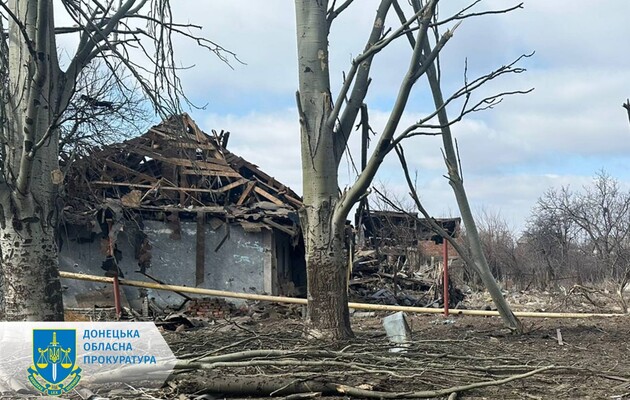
{"x": 481, "y": 264}
{"x": 28, "y": 211}
{"x": 28, "y": 246}
{"x": 32, "y": 290}
{"x": 326, "y": 255}
{"x": 326, "y": 267}
{"x": 326, "y": 258}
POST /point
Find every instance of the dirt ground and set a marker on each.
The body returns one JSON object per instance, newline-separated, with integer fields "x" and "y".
{"x": 592, "y": 363}
{"x": 250, "y": 356}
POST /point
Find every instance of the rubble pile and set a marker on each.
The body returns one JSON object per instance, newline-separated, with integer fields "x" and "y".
{"x": 381, "y": 279}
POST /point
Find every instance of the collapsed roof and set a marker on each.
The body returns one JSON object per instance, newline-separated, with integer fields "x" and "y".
{"x": 176, "y": 167}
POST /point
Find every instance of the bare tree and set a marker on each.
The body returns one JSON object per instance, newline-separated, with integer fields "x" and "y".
{"x": 601, "y": 214}
{"x": 106, "y": 107}
{"x": 36, "y": 92}
{"x": 499, "y": 244}
{"x": 548, "y": 246}
{"x": 326, "y": 123}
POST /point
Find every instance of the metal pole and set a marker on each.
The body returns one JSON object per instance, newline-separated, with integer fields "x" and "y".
{"x": 445, "y": 280}
{"x": 117, "y": 296}
{"x": 110, "y": 251}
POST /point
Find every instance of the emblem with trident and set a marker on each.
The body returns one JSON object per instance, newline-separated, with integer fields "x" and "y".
{"x": 53, "y": 354}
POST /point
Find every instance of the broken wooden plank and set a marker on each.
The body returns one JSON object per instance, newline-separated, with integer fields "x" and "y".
{"x": 175, "y": 134}
{"x": 216, "y": 157}
{"x": 297, "y": 203}
{"x": 217, "y": 210}
{"x": 238, "y": 162}
{"x": 232, "y": 185}
{"x": 246, "y": 192}
{"x": 178, "y": 143}
{"x": 128, "y": 170}
{"x": 183, "y": 183}
{"x": 283, "y": 228}
{"x": 140, "y": 186}
{"x": 201, "y": 146}
{"x": 147, "y": 152}
{"x": 199, "y": 134}
{"x": 268, "y": 196}
{"x": 283, "y": 190}
{"x": 205, "y": 172}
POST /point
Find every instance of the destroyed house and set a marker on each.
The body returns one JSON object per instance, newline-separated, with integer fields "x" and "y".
{"x": 393, "y": 229}
{"x": 175, "y": 206}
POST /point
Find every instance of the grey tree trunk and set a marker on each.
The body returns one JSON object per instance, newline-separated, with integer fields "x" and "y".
{"x": 455, "y": 180}
{"x": 32, "y": 289}
{"x": 29, "y": 269}
{"x": 326, "y": 263}
{"x": 327, "y": 309}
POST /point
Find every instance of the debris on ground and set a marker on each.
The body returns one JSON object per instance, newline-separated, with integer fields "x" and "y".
{"x": 476, "y": 358}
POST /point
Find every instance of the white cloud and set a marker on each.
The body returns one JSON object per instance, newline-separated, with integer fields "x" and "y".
{"x": 270, "y": 141}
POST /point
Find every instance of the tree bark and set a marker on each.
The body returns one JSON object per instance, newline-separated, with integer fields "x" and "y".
{"x": 32, "y": 289}
{"x": 326, "y": 260}
{"x": 28, "y": 215}
{"x": 327, "y": 310}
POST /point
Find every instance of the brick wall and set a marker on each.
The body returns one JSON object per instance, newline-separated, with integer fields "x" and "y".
{"x": 209, "y": 307}
{"x": 429, "y": 249}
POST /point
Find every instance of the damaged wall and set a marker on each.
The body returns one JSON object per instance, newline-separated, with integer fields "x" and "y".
{"x": 243, "y": 261}
{"x": 178, "y": 174}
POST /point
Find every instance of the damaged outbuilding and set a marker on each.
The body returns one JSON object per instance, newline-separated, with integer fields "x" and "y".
{"x": 175, "y": 206}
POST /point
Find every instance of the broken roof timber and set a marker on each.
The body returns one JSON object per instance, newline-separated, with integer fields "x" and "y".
{"x": 176, "y": 167}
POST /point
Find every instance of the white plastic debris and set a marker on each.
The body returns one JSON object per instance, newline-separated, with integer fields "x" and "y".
{"x": 398, "y": 331}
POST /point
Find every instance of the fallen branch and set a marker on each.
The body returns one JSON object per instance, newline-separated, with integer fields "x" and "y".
{"x": 264, "y": 386}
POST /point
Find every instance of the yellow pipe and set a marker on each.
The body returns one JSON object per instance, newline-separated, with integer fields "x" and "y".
{"x": 293, "y": 300}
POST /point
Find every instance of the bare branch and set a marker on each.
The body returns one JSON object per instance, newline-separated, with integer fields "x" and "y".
{"x": 416, "y": 199}
{"x": 466, "y": 92}
{"x": 334, "y": 12}
{"x": 360, "y": 67}
{"x": 461, "y": 15}
{"x": 359, "y": 91}
{"x": 419, "y": 64}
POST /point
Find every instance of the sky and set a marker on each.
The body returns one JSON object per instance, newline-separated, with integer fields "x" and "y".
{"x": 568, "y": 128}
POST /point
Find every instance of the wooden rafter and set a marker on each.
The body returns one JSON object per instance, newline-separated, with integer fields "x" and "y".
{"x": 177, "y": 167}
